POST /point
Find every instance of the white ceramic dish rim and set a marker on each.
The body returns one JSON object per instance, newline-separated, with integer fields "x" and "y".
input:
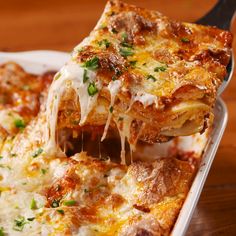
{"x": 41, "y": 60}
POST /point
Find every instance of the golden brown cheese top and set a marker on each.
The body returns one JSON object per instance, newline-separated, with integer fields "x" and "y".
{"x": 150, "y": 53}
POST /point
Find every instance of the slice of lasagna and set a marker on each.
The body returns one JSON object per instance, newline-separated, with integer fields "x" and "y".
{"x": 151, "y": 77}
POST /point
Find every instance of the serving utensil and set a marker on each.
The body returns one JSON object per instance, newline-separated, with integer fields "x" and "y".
{"x": 221, "y": 15}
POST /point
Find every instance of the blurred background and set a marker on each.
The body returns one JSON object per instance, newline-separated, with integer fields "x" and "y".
{"x": 60, "y": 25}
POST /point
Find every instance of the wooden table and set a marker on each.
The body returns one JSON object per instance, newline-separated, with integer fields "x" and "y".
{"x": 60, "y": 25}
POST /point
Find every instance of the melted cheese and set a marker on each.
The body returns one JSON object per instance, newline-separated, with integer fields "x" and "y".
{"x": 113, "y": 87}
{"x": 71, "y": 76}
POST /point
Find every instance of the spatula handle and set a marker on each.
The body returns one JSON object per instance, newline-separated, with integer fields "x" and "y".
{"x": 220, "y": 15}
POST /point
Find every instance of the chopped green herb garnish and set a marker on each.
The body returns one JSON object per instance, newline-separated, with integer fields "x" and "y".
{"x": 57, "y": 76}
{"x": 133, "y": 63}
{"x": 5, "y": 166}
{"x": 92, "y": 64}
{"x": 124, "y": 37}
{"x": 85, "y": 76}
{"x": 185, "y": 40}
{"x": 61, "y": 211}
{"x": 2, "y": 232}
{"x": 104, "y": 42}
{"x": 1, "y": 157}
{"x": 31, "y": 219}
{"x": 37, "y": 153}
{"x": 33, "y": 204}
{"x": 125, "y": 52}
{"x": 111, "y": 109}
{"x": 92, "y": 89}
{"x": 55, "y": 203}
{"x": 43, "y": 171}
{"x": 19, "y": 123}
{"x": 118, "y": 72}
{"x": 160, "y": 68}
{"x": 114, "y": 31}
{"x": 151, "y": 77}
{"x": 69, "y": 203}
{"x": 19, "y": 223}
{"x": 13, "y": 154}
{"x": 126, "y": 45}
{"x": 114, "y": 77}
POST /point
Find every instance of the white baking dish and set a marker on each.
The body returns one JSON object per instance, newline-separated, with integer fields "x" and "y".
{"x": 42, "y": 61}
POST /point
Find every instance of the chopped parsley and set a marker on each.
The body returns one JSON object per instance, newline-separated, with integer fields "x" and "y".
{"x": 57, "y": 76}
{"x": 31, "y": 218}
{"x": 1, "y": 157}
{"x": 43, "y": 171}
{"x": 2, "y": 231}
{"x": 92, "y": 89}
{"x": 55, "y": 203}
{"x": 37, "y": 153}
{"x": 126, "y": 45}
{"x": 104, "y": 42}
{"x": 69, "y": 203}
{"x": 133, "y": 63}
{"x": 5, "y": 166}
{"x": 151, "y": 77}
{"x": 33, "y": 204}
{"x": 114, "y": 77}
{"x": 160, "y": 68}
{"x": 19, "y": 223}
{"x": 92, "y": 64}
{"x": 114, "y": 31}
{"x": 85, "y": 76}
{"x": 185, "y": 40}
{"x": 111, "y": 109}
{"x": 124, "y": 37}
{"x": 118, "y": 72}
{"x": 19, "y": 123}
{"x": 60, "y": 211}
{"x": 125, "y": 52}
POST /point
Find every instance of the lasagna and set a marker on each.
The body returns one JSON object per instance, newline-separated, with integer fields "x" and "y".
{"x": 149, "y": 77}
{"x": 83, "y": 195}
{"x": 138, "y": 79}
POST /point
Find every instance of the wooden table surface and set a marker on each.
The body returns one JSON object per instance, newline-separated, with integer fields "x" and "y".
{"x": 60, "y": 25}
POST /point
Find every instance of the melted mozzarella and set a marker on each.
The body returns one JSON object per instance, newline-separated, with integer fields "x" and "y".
{"x": 71, "y": 76}
{"x": 123, "y": 126}
{"x": 114, "y": 88}
{"x": 146, "y": 99}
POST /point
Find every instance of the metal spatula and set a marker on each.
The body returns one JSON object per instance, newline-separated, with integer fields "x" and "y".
{"x": 221, "y": 16}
